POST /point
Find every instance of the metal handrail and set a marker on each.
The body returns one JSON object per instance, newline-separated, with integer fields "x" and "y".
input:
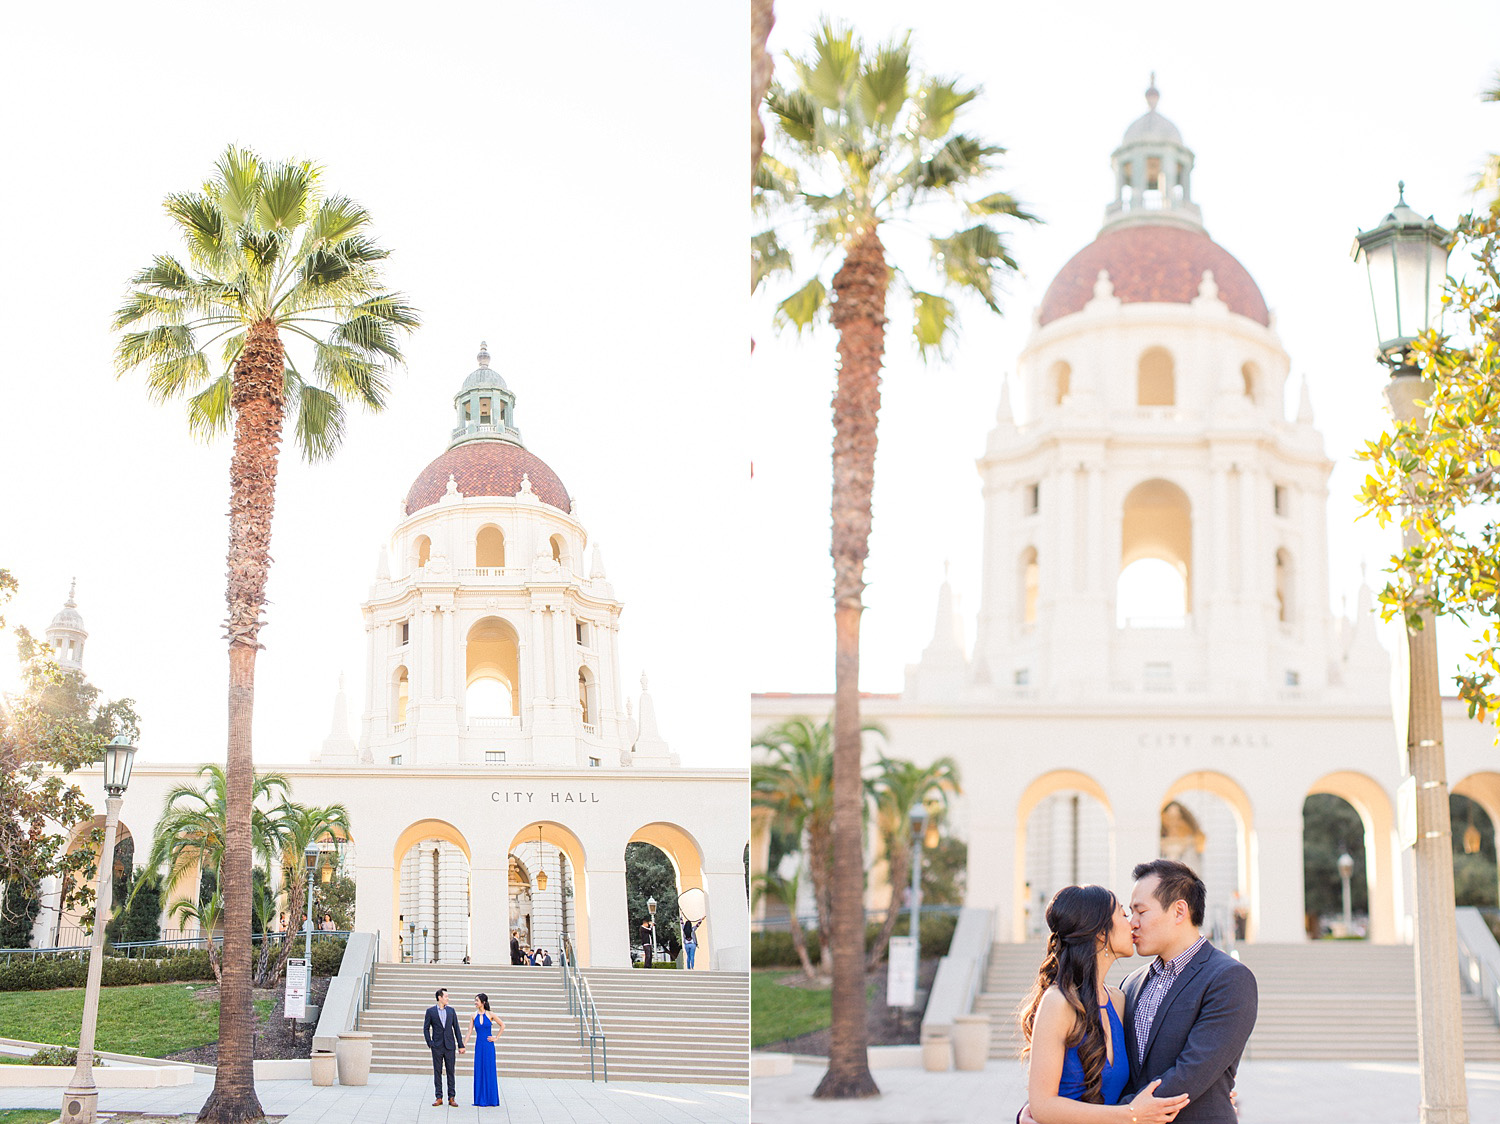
{"x": 581, "y": 1005}
{"x": 137, "y": 948}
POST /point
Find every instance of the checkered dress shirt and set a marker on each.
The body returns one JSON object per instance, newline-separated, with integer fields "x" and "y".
{"x": 1154, "y": 991}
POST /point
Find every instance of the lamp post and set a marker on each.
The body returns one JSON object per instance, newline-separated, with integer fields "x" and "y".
{"x": 651, "y": 909}
{"x": 81, "y": 1099}
{"x": 1406, "y": 258}
{"x": 311, "y": 856}
{"x": 1346, "y": 870}
{"x": 918, "y": 832}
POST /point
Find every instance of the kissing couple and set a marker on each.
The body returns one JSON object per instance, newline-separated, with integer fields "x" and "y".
{"x": 1165, "y": 1046}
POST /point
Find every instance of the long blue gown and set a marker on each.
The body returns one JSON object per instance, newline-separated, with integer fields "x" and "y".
{"x": 486, "y": 1080}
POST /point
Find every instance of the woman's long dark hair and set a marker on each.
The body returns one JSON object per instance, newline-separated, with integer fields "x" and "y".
{"x": 484, "y": 1001}
{"x": 1077, "y": 917}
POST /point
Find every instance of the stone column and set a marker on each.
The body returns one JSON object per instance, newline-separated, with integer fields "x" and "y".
{"x": 1276, "y": 895}
{"x": 609, "y": 944}
{"x": 724, "y": 944}
{"x": 538, "y": 655}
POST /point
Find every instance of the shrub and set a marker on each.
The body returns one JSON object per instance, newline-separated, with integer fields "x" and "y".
{"x": 327, "y": 956}
{"x": 42, "y": 973}
{"x": 773, "y": 947}
{"x": 59, "y": 1055}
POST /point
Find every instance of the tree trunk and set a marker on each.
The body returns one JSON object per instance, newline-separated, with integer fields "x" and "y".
{"x": 295, "y": 905}
{"x": 799, "y": 940}
{"x": 762, "y": 18}
{"x": 898, "y": 857}
{"x": 257, "y": 398}
{"x": 858, "y": 313}
{"x": 819, "y": 855}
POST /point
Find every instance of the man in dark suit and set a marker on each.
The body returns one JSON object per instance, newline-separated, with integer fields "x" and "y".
{"x": 446, "y": 1041}
{"x": 1190, "y": 1011}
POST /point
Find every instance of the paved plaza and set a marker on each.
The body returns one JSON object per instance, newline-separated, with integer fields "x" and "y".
{"x": 407, "y": 1099}
{"x": 1269, "y": 1093}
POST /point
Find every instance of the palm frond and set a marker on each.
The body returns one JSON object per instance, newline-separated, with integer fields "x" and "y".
{"x": 768, "y": 257}
{"x": 285, "y": 194}
{"x": 940, "y": 100}
{"x": 202, "y": 225}
{"x": 1001, "y": 203}
{"x": 209, "y": 413}
{"x": 237, "y": 185}
{"x": 320, "y": 422}
{"x": 802, "y": 307}
{"x": 959, "y": 159}
{"x": 830, "y": 73}
{"x": 796, "y": 113}
{"x": 969, "y": 257}
{"x": 934, "y": 322}
{"x": 882, "y": 89}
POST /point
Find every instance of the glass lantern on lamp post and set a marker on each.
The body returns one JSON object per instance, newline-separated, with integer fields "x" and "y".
{"x": 311, "y": 856}
{"x": 81, "y": 1099}
{"x": 1406, "y": 261}
{"x": 1346, "y": 871}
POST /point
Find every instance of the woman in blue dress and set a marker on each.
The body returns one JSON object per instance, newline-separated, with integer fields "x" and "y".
{"x": 486, "y": 1030}
{"x": 1073, "y": 1020}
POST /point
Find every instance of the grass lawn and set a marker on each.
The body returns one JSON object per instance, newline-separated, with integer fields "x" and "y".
{"x": 27, "y": 1115}
{"x": 152, "y": 1020}
{"x": 778, "y": 1012}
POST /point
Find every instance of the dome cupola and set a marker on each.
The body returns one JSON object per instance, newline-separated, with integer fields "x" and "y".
{"x": 485, "y": 405}
{"x": 1153, "y": 173}
{"x": 66, "y": 633}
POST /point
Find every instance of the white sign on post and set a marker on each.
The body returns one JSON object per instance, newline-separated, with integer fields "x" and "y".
{"x": 901, "y": 977}
{"x": 297, "y": 979}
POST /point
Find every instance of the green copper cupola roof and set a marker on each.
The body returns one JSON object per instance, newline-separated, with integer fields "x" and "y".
{"x": 485, "y": 406}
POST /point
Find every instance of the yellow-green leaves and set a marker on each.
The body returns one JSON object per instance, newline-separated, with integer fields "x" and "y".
{"x": 802, "y": 307}
{"x": 932, "y": 322}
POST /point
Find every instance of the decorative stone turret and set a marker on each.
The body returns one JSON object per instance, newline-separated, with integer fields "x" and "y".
{"x": 66, "y": 633}
{"x": 486, "y": 407}
{"x": 1153, "y": 173}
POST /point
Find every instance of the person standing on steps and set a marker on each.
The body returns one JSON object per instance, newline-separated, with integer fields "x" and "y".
{"x": 648, "y": 939}
{"x": 690, "y": 939}
{"x": 486, "y": 1032}
{"x": 446, "y": 1042}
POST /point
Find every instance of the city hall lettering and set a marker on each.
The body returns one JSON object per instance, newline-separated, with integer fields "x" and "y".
{"x": 554, "y": 797}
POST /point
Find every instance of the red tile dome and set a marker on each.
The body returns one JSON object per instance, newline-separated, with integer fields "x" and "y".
{"x": 1153, "y": 262}
{"x": 487, "y": 468}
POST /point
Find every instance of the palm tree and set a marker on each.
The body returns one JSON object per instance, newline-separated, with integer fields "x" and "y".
{"x": 795, "y": 781}
{"x": 204, "y": 914}
{"x": 270, "y": 261}
{"x": 300, "y": 827}
{"x": 762, "y": 19}
{"x": 784, "y": 890}
{"x": 861, "y": 142}
{"x": 895, "y": 788}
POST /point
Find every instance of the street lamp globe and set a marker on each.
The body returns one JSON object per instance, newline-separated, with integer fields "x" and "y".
{"x": 651, "y": 907}
{"x": 1406, "y": 258}
{"x": 310, "y": 855}
{"x": 918, "y": 816}
{"x": 1346, "y": 865}
{"x": 119, "y": 758}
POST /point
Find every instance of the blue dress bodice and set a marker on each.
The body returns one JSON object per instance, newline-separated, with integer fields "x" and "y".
{"x": 486, "y": 1080}
{"x": 1116, "y": 1073}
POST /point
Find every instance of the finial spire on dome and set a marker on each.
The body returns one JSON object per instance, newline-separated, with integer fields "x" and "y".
{"x": 1400, "y": 192}
{"x": 72, "y": 592}
{"x": 484, "y": 354}
{"x": 1152, "y": 94}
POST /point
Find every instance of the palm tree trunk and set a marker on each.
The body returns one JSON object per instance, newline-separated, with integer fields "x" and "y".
{"x": 858, "y": 314}
{"x": 819, "y": 858}
{"x": 799, "y": 941}
{"x": 295, "y": 903}
{"x": 257, "y": 398}
{"x": 762, "y": 18}
{"x": 899, "y": 867}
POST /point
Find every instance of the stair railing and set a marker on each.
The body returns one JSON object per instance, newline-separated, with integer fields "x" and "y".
{"x": 1479, "y": 958}
{"x": 581, "y": 1006}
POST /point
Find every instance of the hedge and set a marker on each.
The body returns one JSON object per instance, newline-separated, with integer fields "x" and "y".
{"x": 41, "y": 973}
{"x": 773, "y": 948}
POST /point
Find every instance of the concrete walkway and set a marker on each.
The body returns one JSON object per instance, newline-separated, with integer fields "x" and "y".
{"x": 1269, "y": 1093}
{"x": 407, "y": 1099}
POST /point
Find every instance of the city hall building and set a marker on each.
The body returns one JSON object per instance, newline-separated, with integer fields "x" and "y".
{"x": 499, "y": 771}
{"x": 1152, "y": 451}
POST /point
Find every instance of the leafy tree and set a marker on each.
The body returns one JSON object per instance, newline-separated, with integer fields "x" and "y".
{"x": 56, "y": 723}
{"x": 271, "y": 260}
{"x": 299, "y": 826}
{"x": 784, "y": 890}
{"x": 945, "y": 870}
{"x": 18, "y": 915}
{"x": 795, "y": 781}
{"x": 1439, "y": 478}
{"x": 137, "y": 916}
{"x": 862, "y": 141}
{"x": 337, "y": 898}
{"x": 895, "y": 787}
{"x": 650, "y": 874}
{"x": 1330, "y": 827}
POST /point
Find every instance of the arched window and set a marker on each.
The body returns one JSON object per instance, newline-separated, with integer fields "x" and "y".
{"x": 1285, "y": 601}
{"x": 1155, "y": 383}
{"x": 1061, "y": 381}
{"x": 424, "y": 550}
{"x": 1250, "y": 377}
{"x": 587, "y": 697}
{"x": 559, "y": 550}
{"x": 1031, "y": 578}
{"x": 489, "y": 547}
{"x": 401, "y": 692}
{"x": 1156, "y": 528}
{"x": 492, "y": 671}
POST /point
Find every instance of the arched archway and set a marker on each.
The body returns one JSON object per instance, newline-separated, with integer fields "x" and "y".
{"x": 1029, "y": 586}
{"x": 1207, "y": 822}
{"x": 588, "y": 700}
{"x": 75, "y": 925}
{"x": 1381, "y": 853}
{"x": 1156, "y": 522}
{"x": 560, "y": 553}
{"x": 431, "y": 864}
{"x": 561, "y": 907}
{"x": 492, "y": 682}
{"x": 1483, "y": 789}
{"x": 1250, "y": 380}
{"x": 422, "y": 552}
{"x": 400, "y": 697}
{"x": 1061, "y": 784}
{"x": 686, "y": 858}
{"x": 1059, "y": 382}
{"x": 489, "y": 547}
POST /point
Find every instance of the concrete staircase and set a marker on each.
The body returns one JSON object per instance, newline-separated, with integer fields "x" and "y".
{"x": 660, "y": 1025}
{"x": 1324, "y": 1000}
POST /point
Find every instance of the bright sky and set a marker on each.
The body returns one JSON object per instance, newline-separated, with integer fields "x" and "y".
{"x": 1303, "y": 117}
{"x": 564, "y": 181}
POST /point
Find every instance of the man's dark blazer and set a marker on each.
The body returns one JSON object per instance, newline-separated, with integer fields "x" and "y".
{"x": 1198, "y": 1034}
{"x": 442, "y": 1034}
